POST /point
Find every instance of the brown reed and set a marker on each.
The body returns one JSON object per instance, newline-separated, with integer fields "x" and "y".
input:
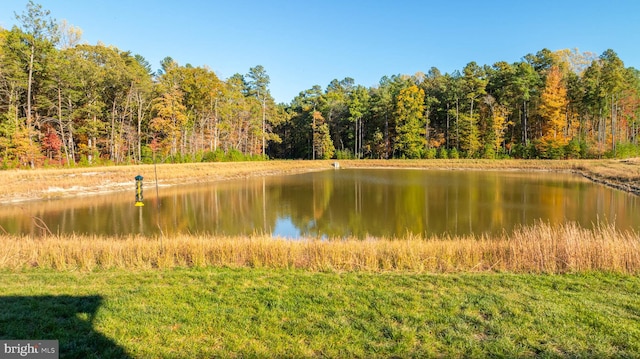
{"x": 541, "y": 248}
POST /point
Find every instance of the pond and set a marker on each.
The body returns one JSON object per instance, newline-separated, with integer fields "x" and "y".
{"x": 337, "y": 203}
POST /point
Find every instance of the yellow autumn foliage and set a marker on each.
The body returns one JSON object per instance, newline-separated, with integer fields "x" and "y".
{"x": 553, "y": 108}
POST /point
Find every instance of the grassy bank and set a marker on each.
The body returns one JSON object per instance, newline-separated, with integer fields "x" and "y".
{"x": 541, "y": 248}
{"x": 620, "y": 174}
{"x": 205, "y": 313}
{"x": 20, "y": 185}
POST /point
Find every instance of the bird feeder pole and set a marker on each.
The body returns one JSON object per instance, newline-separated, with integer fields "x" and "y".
{"x": 139, "y": 191}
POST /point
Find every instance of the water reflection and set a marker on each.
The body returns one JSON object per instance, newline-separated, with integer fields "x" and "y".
{"x": 339, "y": 203}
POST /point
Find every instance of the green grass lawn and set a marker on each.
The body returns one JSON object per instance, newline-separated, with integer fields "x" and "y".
{"x": 204, "y": 313}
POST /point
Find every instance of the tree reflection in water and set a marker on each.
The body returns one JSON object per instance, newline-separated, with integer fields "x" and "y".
{"x": 340, "y": 203}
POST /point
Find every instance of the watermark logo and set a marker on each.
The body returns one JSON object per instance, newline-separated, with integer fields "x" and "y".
{"x": 32, "y": 349}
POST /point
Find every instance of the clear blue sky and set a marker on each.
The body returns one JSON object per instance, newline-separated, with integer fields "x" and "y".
{"x": 306, "y": 43}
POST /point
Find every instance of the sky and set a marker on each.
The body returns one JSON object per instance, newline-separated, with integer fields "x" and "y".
{"x": 305, "y": 43}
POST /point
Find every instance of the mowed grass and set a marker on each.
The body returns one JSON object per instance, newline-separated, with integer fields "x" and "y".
{"x": 283, "y": 313}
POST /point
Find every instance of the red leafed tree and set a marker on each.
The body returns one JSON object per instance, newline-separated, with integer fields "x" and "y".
{"x": 51, "y": 144}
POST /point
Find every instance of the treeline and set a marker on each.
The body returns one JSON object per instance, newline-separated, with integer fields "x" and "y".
{"x": 69, "y": 103}
{"x": 562, "y": 104}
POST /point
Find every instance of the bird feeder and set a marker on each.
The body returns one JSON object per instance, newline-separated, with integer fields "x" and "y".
{"x": 139, "y": 191}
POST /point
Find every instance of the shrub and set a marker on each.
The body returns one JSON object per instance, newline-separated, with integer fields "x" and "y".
{"x": 488, "y": 152}
{"x": 430, "y": 153}
{"x": 234, "y": 155}
{"x": 572, "y": 149}
{"x": 146, "y": 154}
{"x": 344, "y": 155}
{"x": 624, "y": 150}
{"x": 213, "y": 156}
{"x": 443, "y": 153}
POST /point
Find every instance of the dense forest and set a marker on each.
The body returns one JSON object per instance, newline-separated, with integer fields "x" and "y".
{"x": 68, "y": 103}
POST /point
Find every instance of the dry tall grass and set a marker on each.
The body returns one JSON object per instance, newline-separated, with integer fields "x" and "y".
{"x": 541, "y": 248}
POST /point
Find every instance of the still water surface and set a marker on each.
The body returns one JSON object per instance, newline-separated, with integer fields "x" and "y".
{"x": 338, "y": 203}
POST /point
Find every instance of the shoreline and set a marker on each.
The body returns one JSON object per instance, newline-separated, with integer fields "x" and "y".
{"x": 539, "y": 248}
{"x": 21, "y": 186}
